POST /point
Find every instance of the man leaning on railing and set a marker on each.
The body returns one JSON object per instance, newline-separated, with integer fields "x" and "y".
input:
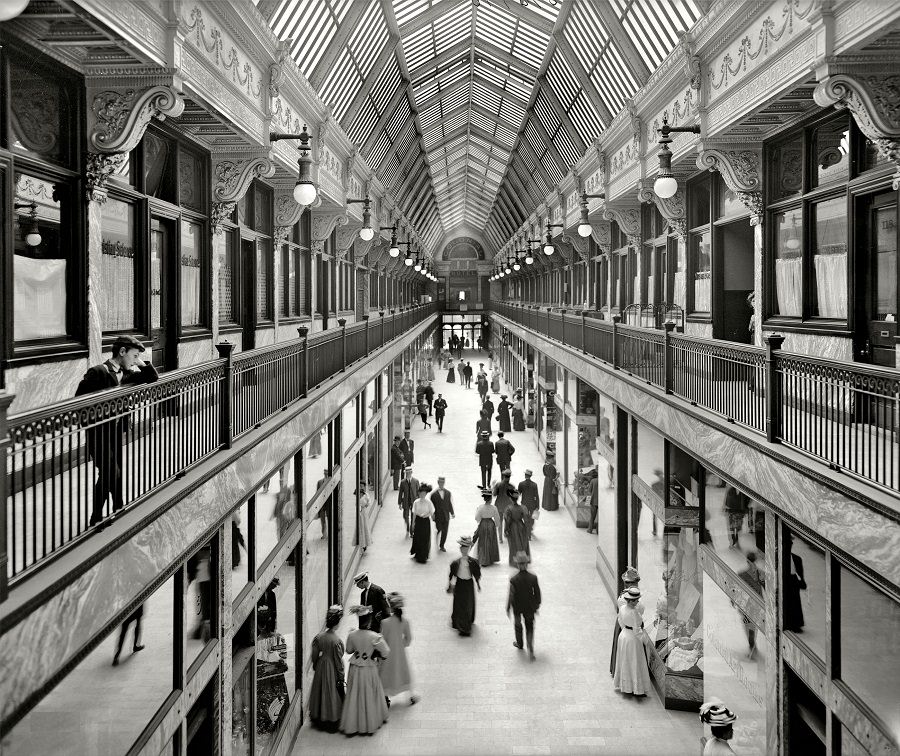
{"x": 126, "y": 367}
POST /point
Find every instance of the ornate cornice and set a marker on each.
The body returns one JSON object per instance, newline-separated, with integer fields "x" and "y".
{"x": 233, "y": 175}
{"x": 347, "y": 235}
{"x": 629, "y": 220}
{"x": 287, "y": 211}
{"x": 739, "y": 166}
{"x": 118, "y": 117}
{"x": 323, "y": 223}
{"x": 671, "y": 208}
{"x": 578, "y": 243}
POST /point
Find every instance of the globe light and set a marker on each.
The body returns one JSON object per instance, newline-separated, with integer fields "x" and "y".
{"x": 33, "y": 239}
{"x": 665, "y": 186}
{"x": 417, "y": 267}
{"x": 517, "y": 265}
{"x": 792, "y": 243}
{"x": 304, "y": 192}
{"x": 548, "y": 249}
{"x": 9, "y": 9}
{"x": 529, "y": 259}
{"x": 408, "y": 261}
{"x": 367, "y": 233}
{"x": 507, "y": 269}
{"x": 584, "y": 230}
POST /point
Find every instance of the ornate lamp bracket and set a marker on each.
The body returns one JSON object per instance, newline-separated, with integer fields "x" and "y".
{"x": 739, "y": 166}
{"x": 577, "y": 243}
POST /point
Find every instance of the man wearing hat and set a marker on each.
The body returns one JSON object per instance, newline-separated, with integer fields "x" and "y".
{"x": 409, "y": 490}
{"x": 443, "y": 511}
{"x": 530, "y": 498}
{"x": 397, "y": 461}
{"x": 504, "y": 450}
{"x": 408, "y": 446}
{"x": 524, "y": 599}
{"x": 125, "y": 367}
{"x": 485, "y": 451}
{"x": 440, "y": 409}
{"x": 372, "y": 596}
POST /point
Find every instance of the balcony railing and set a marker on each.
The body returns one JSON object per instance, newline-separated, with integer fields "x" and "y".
{"x": 145, "y": 437}
{"x": 845, "y": 414}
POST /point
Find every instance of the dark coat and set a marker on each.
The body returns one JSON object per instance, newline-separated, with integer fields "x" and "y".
{"x": 524, "y": 593}
{"x": 407, "y": 493}
{"x": 474, "y": 568}
{"x": 374, "y": 596}
{"x": 485, "y": 452}
{"x": 467, "y": 371}
{"x": 440, "y": 407}
{"x": 429, "y": 393}
{"x": 407, "y": 446}
{"x": 488, "y": 407}
{"x": 397, "y": 458}
{"x": 504, "y": 450}
{"x": 443, "y": 508}
{"x": 529, "y": 495}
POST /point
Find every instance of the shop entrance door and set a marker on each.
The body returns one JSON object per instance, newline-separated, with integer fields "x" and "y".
{"x": 879, "y": 245}
{"x": 164, "y": 344}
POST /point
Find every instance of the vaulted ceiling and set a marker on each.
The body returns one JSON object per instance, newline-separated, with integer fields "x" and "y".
{"x": 471, "y": 111}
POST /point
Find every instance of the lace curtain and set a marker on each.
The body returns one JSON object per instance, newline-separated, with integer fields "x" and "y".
{"x": 831, "y": 285}
{"x": 117, "y": 292}
{"x": 789, "y": 286}
{"x": 679, "y": 289}
{"x": 703, "y": 292}
{"x": 39, "y": 298}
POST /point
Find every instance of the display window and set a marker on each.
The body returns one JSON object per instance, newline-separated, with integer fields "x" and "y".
{"x": 201, "y": 600}
{"x": 804, "y": 586}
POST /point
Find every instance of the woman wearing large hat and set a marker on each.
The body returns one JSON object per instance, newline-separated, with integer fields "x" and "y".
{"x": 516, "y": 526}
{"x": 721, "y": 724}
{"x": 631, "y": 673}
{"x": 326, "y": 694}
{"x": 488, "y": 520}
{"x": 365, "y": 706}
{"x": 394, "y": 671}
{"x": 465, "y": 574}
{"x": 630, "y": 579}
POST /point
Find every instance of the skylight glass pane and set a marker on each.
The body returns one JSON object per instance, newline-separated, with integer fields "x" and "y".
{"x": 484, "y": 97}
{"x": 482, "y": 122}
{"x": 390, "y": 171}
{"x": 369, "y": 38}
{"x": 546, "y": 113}
{"x": 455, "y": 99}
{"x": 382, "y": 145}
{"x": 562, "y": 79}
{"x": 587, "y": 34}
{"x": 386, "y": 85}
{"x": 396, "y": 121}
{"x": 505, "y": 136}
{"x": 529, "y": 45}
{"x": 363, "y": 124}
{"x": 495, "y": 26}
{"x": 566, "y": 148}
{"x": 512, "y": 113}
{"x": 585, "y": 119}
{"x": 428, "y": 117}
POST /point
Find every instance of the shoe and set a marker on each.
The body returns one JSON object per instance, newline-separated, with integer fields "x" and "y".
{"x": 138, "y": 648}
{"x": 387, "y": 701}
{"x": 441, "y": 548}
{"x": 115, "y": 661}
{"x": 518, "y": 645}
{"x": 413, "y": 700}
{"x": 531, "y": 655}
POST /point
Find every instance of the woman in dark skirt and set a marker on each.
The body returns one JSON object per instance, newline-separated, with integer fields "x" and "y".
{"x": 326, "y": 695}
{"x": 451, "y": 372}
{"x": 423, "y": 514}
{"x": 630, "y": 579}
{"x": 465, "y": 574}
{"x": 518, "y": 413}
{"x": 550, "y": 496}
{"x": 488, "y": 519}
{"x": 503, "y": 413}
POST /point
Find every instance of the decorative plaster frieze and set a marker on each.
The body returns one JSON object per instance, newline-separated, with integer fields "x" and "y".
{"x": 119, "y": 115}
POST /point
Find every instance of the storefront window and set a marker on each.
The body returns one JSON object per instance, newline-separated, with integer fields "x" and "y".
{"x": 263, "y": 279}
{"x": 117, "y": 266}
{"x": 789, "y": 263}
{"x": 241, "y": 541}
{"x": 275, "y": 511}
{"x": 349, "y": 510}
{"x": 870, "y": 622}
{"x": 701, "y": 262}
{"x": 316, "y": 469}
{"x": 228, "y": 292}
{"x": 200, "y": 602}
{"x": 735, "y": 527}
{"x": 371, "y": 481}
{"x": 191, "y": 276}
{"x": 650, "y": 458}
{"x": 830, "y": 225}
{"x": 571, "y": 471}
{"x": 734, "y": 667}
{"x": 348, "y": 424}
{"x": 86, "y": 712}
{"x": 242, "y": 669}
{"x": 804, "y": 592}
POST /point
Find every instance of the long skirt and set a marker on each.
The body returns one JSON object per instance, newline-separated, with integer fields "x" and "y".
{"x": 451, "y": 375}
{"x": 324, "y": 698}
{"x": 463, "y": 616}
{"x": 518, "y": 420}
{"x": 488, "y": 548}
{"x": 631, "y": 674}
{"x": 421, "y": 542}
{"x": 550, "y": 497}
{"x": 364, "y": 535}
{"x": 504, "y": 420}
{"x": 365, "y": 709}
{"x": 617, "y": 629}
{"x": 495, "y": 384}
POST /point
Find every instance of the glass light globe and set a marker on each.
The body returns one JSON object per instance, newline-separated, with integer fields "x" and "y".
{"x": 9, "y": 9}
{"x": 417, "y": 267}
{"x": 584, "y": 230}
{"x": 529, "y": 260}
{"x": 665, "y": 186}
{"x": 548, "y": 249}
{"x": 517, "y": 265}
{"x": 792, "y": 243}
{"x": 367, "y": 233}
{"x": 33, "y": 239}
{"x": 394, "y": 251}
{"x": 304, "y": 193}
{"x": 408, "y": 261}
{"x": 507, "y": 270}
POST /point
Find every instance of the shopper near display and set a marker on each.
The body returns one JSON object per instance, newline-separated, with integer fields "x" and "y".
{"x": 135, "y": 617}
{"x": 488, "y": 523}
{"x": 516, "y": 526}
{"x": 502, "y": 491}
{"x": 524, "y": 599}
{"x": 595, "y": 502}
{"x": 398, "y": 461}
{"x": 440, "y": 409}
{"x": 394, "y": 671}
{"x": 325, "y": 508}
{"x": 105, "y": 441}
{"x": 631, "y": 674}
{"x": 465, "y": 575}
{"x": 442, "y": 500}
{"x": 518, "y": 413}
{"x": 550, "y": 496}
{"x": 373, "y": 596}
{"x": 721, "y": 724}
{"x": 363, "y": 534}
{"x": 315, "y": 444}
{"x": 267, "y": 608}
{"x": 326, "y": 694}
{"x": 736, "y": 508}
{"x": 503, "y": 413}
{"x": 495, "y": 380}
{"x": 630, "y": 579}
{"x": 755, "y": 578}
{"x": 485, "y": 451}
{"x": 409, "y": 490}
{"x": 504, "y": 450}
{"x": 408, "y": 447}
{"x": 365, "y": 705}
{"x": 530, "y": 497}
{"x": 422, "y": 515}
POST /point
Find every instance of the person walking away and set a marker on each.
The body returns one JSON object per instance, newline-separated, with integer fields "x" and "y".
{"x": 105, "y": 441}
{"x": 524, "y": 599}
{"x": 503, "y": 413}
{"x": 363, "y": 533}
{"x": 326, "y": 694}
{"x": 422, "y": 513}
{"x": 365, "y": 706}
{"x": 721, "y": 725}
{"x": 504, "y": 450}
{"x": 429, "y": 396}
{"x": 495, "y": 380}
{"x": 482, "y": 383}
{"x": 398, "y": 461}
{"x": 467, "y": 375}
{"x": 409, "y": 490}
{"x": 394, "y": 671}
{"x": 630, "y": 579}
{"x": 485, "y": 451}
{"x": 550, "y": 497}
{"x": 515, "y": 526}
{"x": 372, "y": 596}
{"x": 136, "y": 617}
{"x": 487, "y": 520}
{"x": 442, "y": 501}
{"x": 530, "y": 498}
{"x": 465, "y": 574}
{"x": 488, "y": 407}
{"x": 423, "y": 413}
{"x": 631, "y": 674}
{"x": 325, "y": 508}
{"x": 502, "y": 498}
{"x": 735, "y": 510}
{"x": 461, "y": 370}
{"x": 483, "y": 424}
{"x": 408, "y": 446}
{"x": 518, "y": 413}
{"x": 595, "y": 503}
{"x": 440, "y": 408}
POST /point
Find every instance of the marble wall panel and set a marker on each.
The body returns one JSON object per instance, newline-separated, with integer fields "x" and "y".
{"x": 195, "y": 352}
{"x": 33, "y": 650}
{"x": 869, "y": 536}
{"x": 265, "y": 336}
{"x": 867, "y": 734}
{"x": 818, "y": 345}
{"x": 703, "y": 330}
{"x": 38, "y": 385}
{"x": 288, "y": 332}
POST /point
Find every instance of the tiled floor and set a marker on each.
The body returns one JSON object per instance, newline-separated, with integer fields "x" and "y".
{"x": 479, "y": 694}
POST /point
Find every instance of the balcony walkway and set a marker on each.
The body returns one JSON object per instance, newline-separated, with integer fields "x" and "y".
{"x": 479, "y": 694}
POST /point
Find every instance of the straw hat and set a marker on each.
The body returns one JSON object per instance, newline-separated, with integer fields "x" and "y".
{"x": 395, "y": 600}
{"x": 521, "y": 558}
{"x": 631, "y": 594}
{"x": 631, "y": 575}
{"x": 360, "y": 577}
{"x": 465, "y": 541}
{"x": 361, "y": 610}
{"x": 717, "y": 714}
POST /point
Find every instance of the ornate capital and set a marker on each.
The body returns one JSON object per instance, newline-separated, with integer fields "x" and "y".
{"x": 100, "y": 166}
{"x": 577, "y": 243}
{"x": 282, "y": 233}
{"x": 232, "y": 175}
{"x": 628, "y": 219}
{"x": 739, "y": 166}
{"x": 874, "y": 100}
{"x": 346, "y": 236}
{"x": 119, "y": 116}
{"x": 221, "y": 211}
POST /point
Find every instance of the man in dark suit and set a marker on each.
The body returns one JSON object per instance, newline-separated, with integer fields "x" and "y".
{"x": 440, "y": 409}
{"x": 485, "y": 451}
{"x": 504, "y": 450}
{"x": 443, "y": 511}
{"x": 409, "y": 490}
{"x": 530, "y": 498}
{"x": 372, "y": 595}
{"x": 525, "y": 600}
{"x": 398, "y": 461}
{"x": 595, "y": 503}
{"x": 407, "y": 446}
{"x": 429, "y": 396}
{"x": 126, "y": 367}
{"x": 467, "y": 374}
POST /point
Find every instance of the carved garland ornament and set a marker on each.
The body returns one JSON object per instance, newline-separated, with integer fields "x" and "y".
{"x": 120, "y": 118}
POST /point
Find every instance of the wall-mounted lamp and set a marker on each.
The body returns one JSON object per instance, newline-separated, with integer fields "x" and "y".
{"x": 584, "y": 225}
{"x": 394, "y": 250}
{"x": 666, "y": 184}
{"x": 304, "y": 189}
{"x": 517, "y": 266}
{"x": 366, "y": 233}
{"x": 33, "y": 234}
{"x": 548, "y": 239}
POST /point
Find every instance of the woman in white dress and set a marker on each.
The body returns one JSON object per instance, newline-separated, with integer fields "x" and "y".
{"x": 631, "y": 675}
{"x": 394, "y": 671}
{"x": 364, "y": 535}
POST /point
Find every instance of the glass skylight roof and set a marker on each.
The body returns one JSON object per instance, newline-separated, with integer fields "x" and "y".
{"x": 470, "y": 111}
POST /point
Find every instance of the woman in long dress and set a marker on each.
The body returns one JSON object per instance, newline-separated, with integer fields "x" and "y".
{"x": 488, "y": 519}
{"x": 516, "y": 527}
{"x": 550, "y": 494}
{"x": 326, "y": 694}
{"x": 503, "y": 413}
{"x": 364, "y": 535}
{"x": 495, "y": 381}
{"x": 502, "y": 498}
{"x": 630, "y": 579}
{"x": 394, "y": 671}
{"x": 631, "y": 675}
{"x": 459, "y": 369}
{"x": 365, "y": 706}
{"x": 465, "y": 574}
{"x": 518, "y": 413}
{"x": 451, "y": 371}
{"x": 423, "y": 514}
